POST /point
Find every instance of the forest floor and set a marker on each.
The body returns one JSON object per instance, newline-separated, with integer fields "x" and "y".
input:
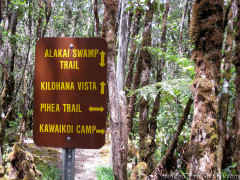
{"x": 86, "y": 160}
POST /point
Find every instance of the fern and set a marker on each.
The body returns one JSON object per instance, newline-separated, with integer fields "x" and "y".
{"x": 173, "y": 87}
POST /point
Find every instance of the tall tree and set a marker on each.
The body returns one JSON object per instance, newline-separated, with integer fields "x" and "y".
{"x": 121, "y": 63}
{"x": 108, "y": 32}
{"x": 236, "y": 62}
{"x": 97, "y": 24}
{"x": 8, "y": 53}
{"x": 206, "y": 32}
{"x": 67, "y": 21}
{"x": 132, "y": 56}
{"x": 26, "y": 93}
{"x": 166, "y": 163}
{"x": 181, "y": 28}
{"x": 224, "y": 95}
{"x": 47, "y": 10}
{"x": 145, "y": 138}
{"x": 135, "y": 80}
{"x": 156, "y": 105}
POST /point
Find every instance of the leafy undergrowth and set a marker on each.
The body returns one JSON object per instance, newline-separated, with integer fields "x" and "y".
{"x": 104, "y": 173}
{"x": 49, "y": 172}
{"x": 48, "y": 161}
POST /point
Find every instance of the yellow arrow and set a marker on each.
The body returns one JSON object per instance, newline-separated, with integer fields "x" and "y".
{"x": 102, "y": 84}
{"x": 96, "y": 109}
{"x": 102, "y": 64}
{"x": 100, "y": 131}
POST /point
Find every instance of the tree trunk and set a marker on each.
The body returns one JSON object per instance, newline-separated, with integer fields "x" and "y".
{"x": 133, "y": 97}
{"x": 48, "y": 12}
{"x": 145, "y": 140}
{"x": 163, "y": 40}
{"x": 156, "y": 106}
{"x": 181, "y": 28}
{"x": 130, "y": 18}
{"x": 97, "y": 24}
{"x": 236, "y": 62}
{"x": 189, "y": 12}
{"x": 122, "y": 48}
{"x": 206, "y": 32}
{"x": 166, "y": 164}
{"x": 136, "y": 78}
{"x": 40, "y": 19}
{"x": 132, "y": 56}
{"x": 8, "y": 53}
{"x": 76, "y": 21}
{"x": 122, "y": 55}
{"x": 224, "y": 95}
{"x": 67, "y": 21}
{"x": 164, "y": 26}
{"x": 118, "y": 148}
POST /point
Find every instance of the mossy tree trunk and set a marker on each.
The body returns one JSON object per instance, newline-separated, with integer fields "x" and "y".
{"x": 152, "y": 124}
{"x": 47, "y": 10}
{"x": 132, "y": 56}
{"x": 206, "y": 32}
{"x": 236, "y": 62}
{"x": 165, "y": 166}
{"x": 146, "y": 139}
{"x": 224, "y": 95}
{"x": 129, "y": 78}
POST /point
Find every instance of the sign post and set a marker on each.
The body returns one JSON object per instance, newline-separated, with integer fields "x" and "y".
{"x": 68, "y": 157}
{"x": 70, "y": 90}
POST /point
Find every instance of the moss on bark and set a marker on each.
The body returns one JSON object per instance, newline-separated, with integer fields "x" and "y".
{"x": 236, "y": 62}
{"x": 206, "y": 32}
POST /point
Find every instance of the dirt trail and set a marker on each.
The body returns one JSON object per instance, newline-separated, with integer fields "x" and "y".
{"x": 87, "y": 161}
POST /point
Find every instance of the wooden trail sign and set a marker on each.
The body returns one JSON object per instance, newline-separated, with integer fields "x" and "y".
{"x": 70, "y": 90}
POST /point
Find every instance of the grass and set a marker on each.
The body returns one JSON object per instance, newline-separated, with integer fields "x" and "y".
{"x": 104, "y": 173}
{"x": 49, "y": 172}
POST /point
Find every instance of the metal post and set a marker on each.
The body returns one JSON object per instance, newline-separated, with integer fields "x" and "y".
{"x": 68, "y": 156}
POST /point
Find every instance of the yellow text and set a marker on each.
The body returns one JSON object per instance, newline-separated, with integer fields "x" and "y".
{"x": 87, "y": 86}
{"x": 88, "y": 129}
{"x": 71, "y": 108}
{"x": 56, "y": 53}
{"x": 57, "y": 86}
{"x": 49, "y": 107}
{"x": 69, "y": 65}
{"x": 85, "y": 52}
{"x": 55, "y": 128}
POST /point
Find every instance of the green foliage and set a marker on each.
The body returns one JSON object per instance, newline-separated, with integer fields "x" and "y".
{"x": 183, "y": 174}
{"x": 104, "y": 173}
{"x": 141, "y": 5}
{"x": 185, "y": 64}
{"x": 49, "y": 172}
{"x": 229, "y": 171}
{"x": 173, "y": 88}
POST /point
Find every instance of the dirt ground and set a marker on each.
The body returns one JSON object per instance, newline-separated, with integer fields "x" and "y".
{"x": 87, "y": 161}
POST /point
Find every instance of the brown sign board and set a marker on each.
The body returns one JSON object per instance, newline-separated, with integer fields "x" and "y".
{"x": 70, "y": 90}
